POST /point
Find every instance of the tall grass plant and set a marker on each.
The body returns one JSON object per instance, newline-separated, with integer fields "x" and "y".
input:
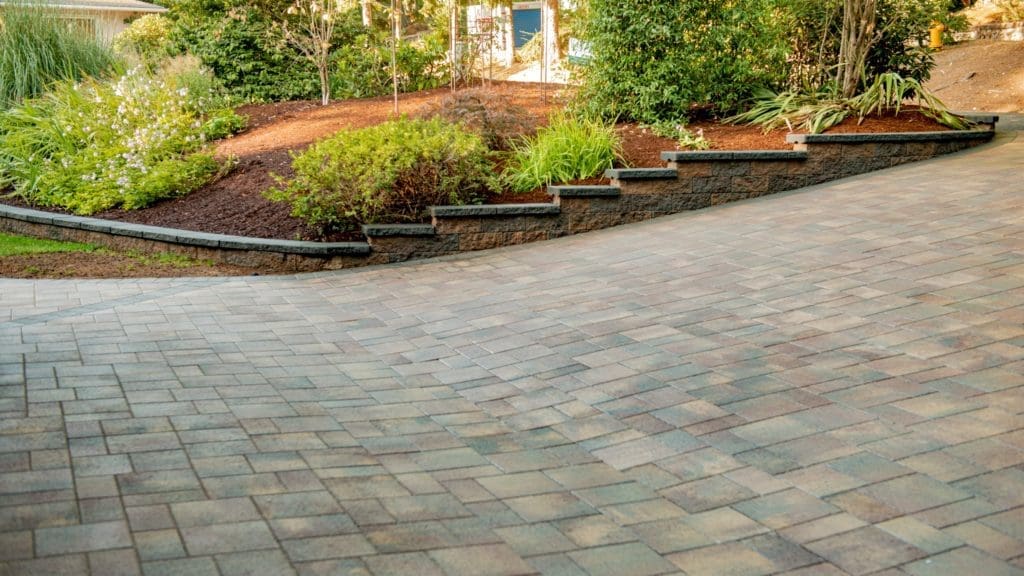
{"x": 569, "y": 148}
{"x": 38, "y": 48}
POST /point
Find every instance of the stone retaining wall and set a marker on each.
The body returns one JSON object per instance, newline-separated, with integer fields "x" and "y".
{"x": 690, "y": 181}
{"x": 1012, "y": 31}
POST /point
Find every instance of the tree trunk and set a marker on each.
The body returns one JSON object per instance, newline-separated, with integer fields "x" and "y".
{"x": 550, "y": 32}
{"x": 325, "y": 85}
{"x": 367, "y": 9}
{"x": 396, "y": 34}
{"x": 858, "y": 35}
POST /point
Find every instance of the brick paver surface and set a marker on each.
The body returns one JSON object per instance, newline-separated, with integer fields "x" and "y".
{"x": 826, "y": 382}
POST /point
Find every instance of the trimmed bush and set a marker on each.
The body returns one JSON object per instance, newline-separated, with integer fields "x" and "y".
{"x": 570, "y": 148}
{"x": 391, "y": 172}
{"x": 37, "y": 48}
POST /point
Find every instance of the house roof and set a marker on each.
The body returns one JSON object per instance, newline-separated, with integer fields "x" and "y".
{"x": 101, "y": 5}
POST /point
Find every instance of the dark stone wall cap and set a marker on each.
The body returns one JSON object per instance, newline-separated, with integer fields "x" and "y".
{"x": 294, "y": 246}
{"x": 398, "y": 230}
{"x": 719, "y": 155}
{"x": 982, "y": 118}
{"x": 869, "y": 138}
{"x": 641, "y": 173}
{"x": 26, "y": 214}
{"x": 185, "y": 237}
{"x": 585, "y": 191}
{"x": 494, "y": 210}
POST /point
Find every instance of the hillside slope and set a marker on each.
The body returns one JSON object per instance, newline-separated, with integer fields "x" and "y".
{"x": 980, "y": 76}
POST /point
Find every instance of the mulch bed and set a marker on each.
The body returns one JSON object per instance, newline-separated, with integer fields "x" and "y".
{"x": 235, "y": 204}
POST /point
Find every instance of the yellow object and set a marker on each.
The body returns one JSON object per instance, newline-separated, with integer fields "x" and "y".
{"x": 935, "y": 35}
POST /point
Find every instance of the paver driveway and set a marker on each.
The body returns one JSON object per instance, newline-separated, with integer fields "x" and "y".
{"x": 827, "y": 382}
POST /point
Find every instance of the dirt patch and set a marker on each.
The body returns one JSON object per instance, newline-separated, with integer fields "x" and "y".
{"x": 980, "y": 76}
{"x": 106, "y": 265}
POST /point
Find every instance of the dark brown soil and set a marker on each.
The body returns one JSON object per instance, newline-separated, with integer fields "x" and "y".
{"x": 106, "y": 265}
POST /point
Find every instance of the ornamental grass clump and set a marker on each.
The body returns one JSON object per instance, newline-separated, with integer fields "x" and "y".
{"x": 391, "y": 172}
{"x": 569, "y": 148}
{"x": 37, "y": 48}
{"x": 94, "y": 145}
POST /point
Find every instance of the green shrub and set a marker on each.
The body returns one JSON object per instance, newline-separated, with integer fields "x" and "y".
{"x": 386, "y": 173}
{"x": 569, "y": 148}
{"x": 147, "y": 38}
{"x": 94, "y": 145}
{"x": 657, "y": 60}
{"x": 244, "y": 49}
{"x": 493, "y": 116}
{"x": 38, "y": 48}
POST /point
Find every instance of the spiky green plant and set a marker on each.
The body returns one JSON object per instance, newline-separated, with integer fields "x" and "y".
{"x": 37, "y": 48}
{"x": 820, "y": 110}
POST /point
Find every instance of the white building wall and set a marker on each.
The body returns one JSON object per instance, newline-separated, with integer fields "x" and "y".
{"x": 105, "y": 24}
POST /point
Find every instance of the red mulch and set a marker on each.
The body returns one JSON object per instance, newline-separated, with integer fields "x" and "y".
{"x": 235, "y": 203}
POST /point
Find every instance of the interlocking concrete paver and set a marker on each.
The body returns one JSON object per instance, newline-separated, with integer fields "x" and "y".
{"x": 822, "y": 382}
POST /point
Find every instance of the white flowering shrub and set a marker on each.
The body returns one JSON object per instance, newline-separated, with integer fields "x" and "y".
{"x": 95, "y": 145}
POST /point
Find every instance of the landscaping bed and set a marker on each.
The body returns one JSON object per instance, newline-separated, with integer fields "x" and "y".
{"x": 235, "y": 204}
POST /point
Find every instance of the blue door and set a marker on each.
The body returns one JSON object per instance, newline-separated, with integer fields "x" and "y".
{"x": 525, "y": 23}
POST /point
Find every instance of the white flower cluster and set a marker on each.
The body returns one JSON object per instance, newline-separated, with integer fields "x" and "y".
{"x": 130, "y": 124}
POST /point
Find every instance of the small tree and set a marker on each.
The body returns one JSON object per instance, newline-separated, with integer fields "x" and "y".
{"x": 857, "y": 37}
{"x": 312, "y": 34}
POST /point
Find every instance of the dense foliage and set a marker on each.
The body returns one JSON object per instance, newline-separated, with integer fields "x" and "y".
{"x": 569, "y": 148}
{"x": 37, "y": 48}
{"x": 362, "y": 67}
{"x": 245, "y": 45}
{"x": 663, "y": 61}
{"x": 899, "y": 43}
{"x": 147, "y": 39}
{"x": 95, "y": 145}
{"x": 386, "y": 173}
{"x": 655, "y": 60}
{"x": 244, "y": 48}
